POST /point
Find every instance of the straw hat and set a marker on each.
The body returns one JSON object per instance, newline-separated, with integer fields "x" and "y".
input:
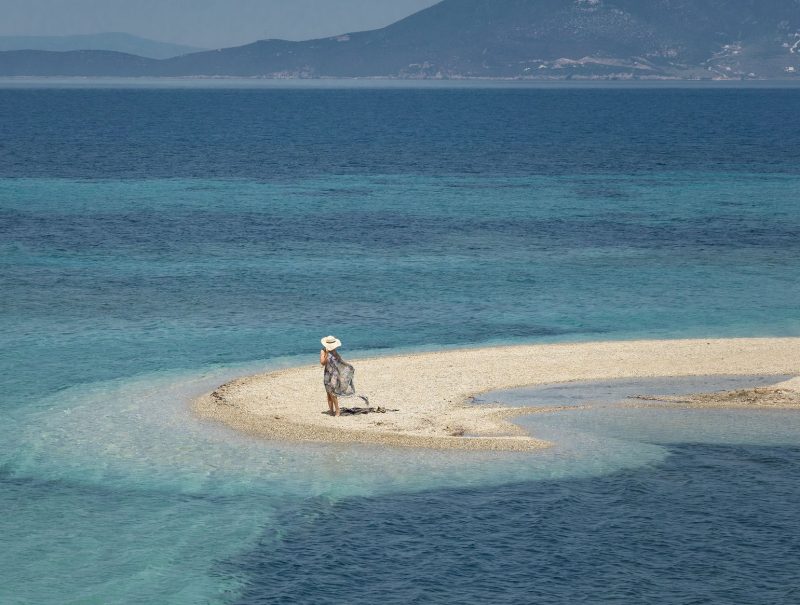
{"x": 331, "y": 342}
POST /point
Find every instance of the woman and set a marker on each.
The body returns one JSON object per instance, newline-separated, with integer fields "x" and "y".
{"x": 338, "y": 375}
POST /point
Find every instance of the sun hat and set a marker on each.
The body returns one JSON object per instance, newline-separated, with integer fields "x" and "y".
{"x": 331, "y": 342}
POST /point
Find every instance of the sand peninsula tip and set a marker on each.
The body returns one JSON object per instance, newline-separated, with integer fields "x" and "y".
{"x": 432, "y": 391}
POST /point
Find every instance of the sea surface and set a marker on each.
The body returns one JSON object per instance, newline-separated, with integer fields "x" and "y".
{"x": 155, "y": 242}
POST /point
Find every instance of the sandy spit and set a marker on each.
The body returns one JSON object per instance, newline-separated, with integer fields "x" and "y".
{"x": 432, "y": 391}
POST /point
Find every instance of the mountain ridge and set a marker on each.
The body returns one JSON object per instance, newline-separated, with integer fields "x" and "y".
{"x": 105, "y": 41}
{"x": 529, "y": 39}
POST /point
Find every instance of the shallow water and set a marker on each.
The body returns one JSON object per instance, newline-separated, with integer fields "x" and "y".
{"x": 622, "y": 390}
{"x": 597, "y": 411}
{"x": 154, "y": 243}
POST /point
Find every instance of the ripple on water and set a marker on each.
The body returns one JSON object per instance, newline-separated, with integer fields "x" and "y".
{"x": 710, "y": 524}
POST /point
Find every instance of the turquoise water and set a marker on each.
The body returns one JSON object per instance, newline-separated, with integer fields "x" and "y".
{"x": 154, "y": 243}
{"x": 148, "y": 275}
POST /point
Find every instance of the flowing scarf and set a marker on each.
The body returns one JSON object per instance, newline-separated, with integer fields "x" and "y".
{"x": 339, "y": 377}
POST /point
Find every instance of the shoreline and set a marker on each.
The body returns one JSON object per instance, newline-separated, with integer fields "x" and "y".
{"x": 432, "y": 391}
{"x": 388, "y": 82}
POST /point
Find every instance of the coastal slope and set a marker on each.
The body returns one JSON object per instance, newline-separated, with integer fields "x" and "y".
{"x": 432, "y": 392}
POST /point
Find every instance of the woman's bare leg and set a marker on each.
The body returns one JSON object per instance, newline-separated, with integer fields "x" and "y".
{"x": 330, "y": 403}
{"x": 335, "y": 404}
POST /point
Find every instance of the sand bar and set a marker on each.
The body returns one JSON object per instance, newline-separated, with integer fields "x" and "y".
{"x": 432, "y": 391}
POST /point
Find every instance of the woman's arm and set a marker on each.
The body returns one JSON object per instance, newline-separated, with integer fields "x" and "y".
{"x": 323, "y": 357}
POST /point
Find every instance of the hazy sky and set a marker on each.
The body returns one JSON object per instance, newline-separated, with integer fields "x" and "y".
{"x": 205, "y": 23}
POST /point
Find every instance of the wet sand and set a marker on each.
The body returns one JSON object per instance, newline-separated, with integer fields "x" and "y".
{"x": 784, "y": 395}
{"x": 432, "y": 391}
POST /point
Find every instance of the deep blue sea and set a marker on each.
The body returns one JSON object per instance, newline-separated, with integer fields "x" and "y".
{"x": 155, "y": 242}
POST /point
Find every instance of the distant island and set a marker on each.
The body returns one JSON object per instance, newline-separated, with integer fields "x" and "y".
{"x": 520, "y": 39}
{"x": 110, "y": 41}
